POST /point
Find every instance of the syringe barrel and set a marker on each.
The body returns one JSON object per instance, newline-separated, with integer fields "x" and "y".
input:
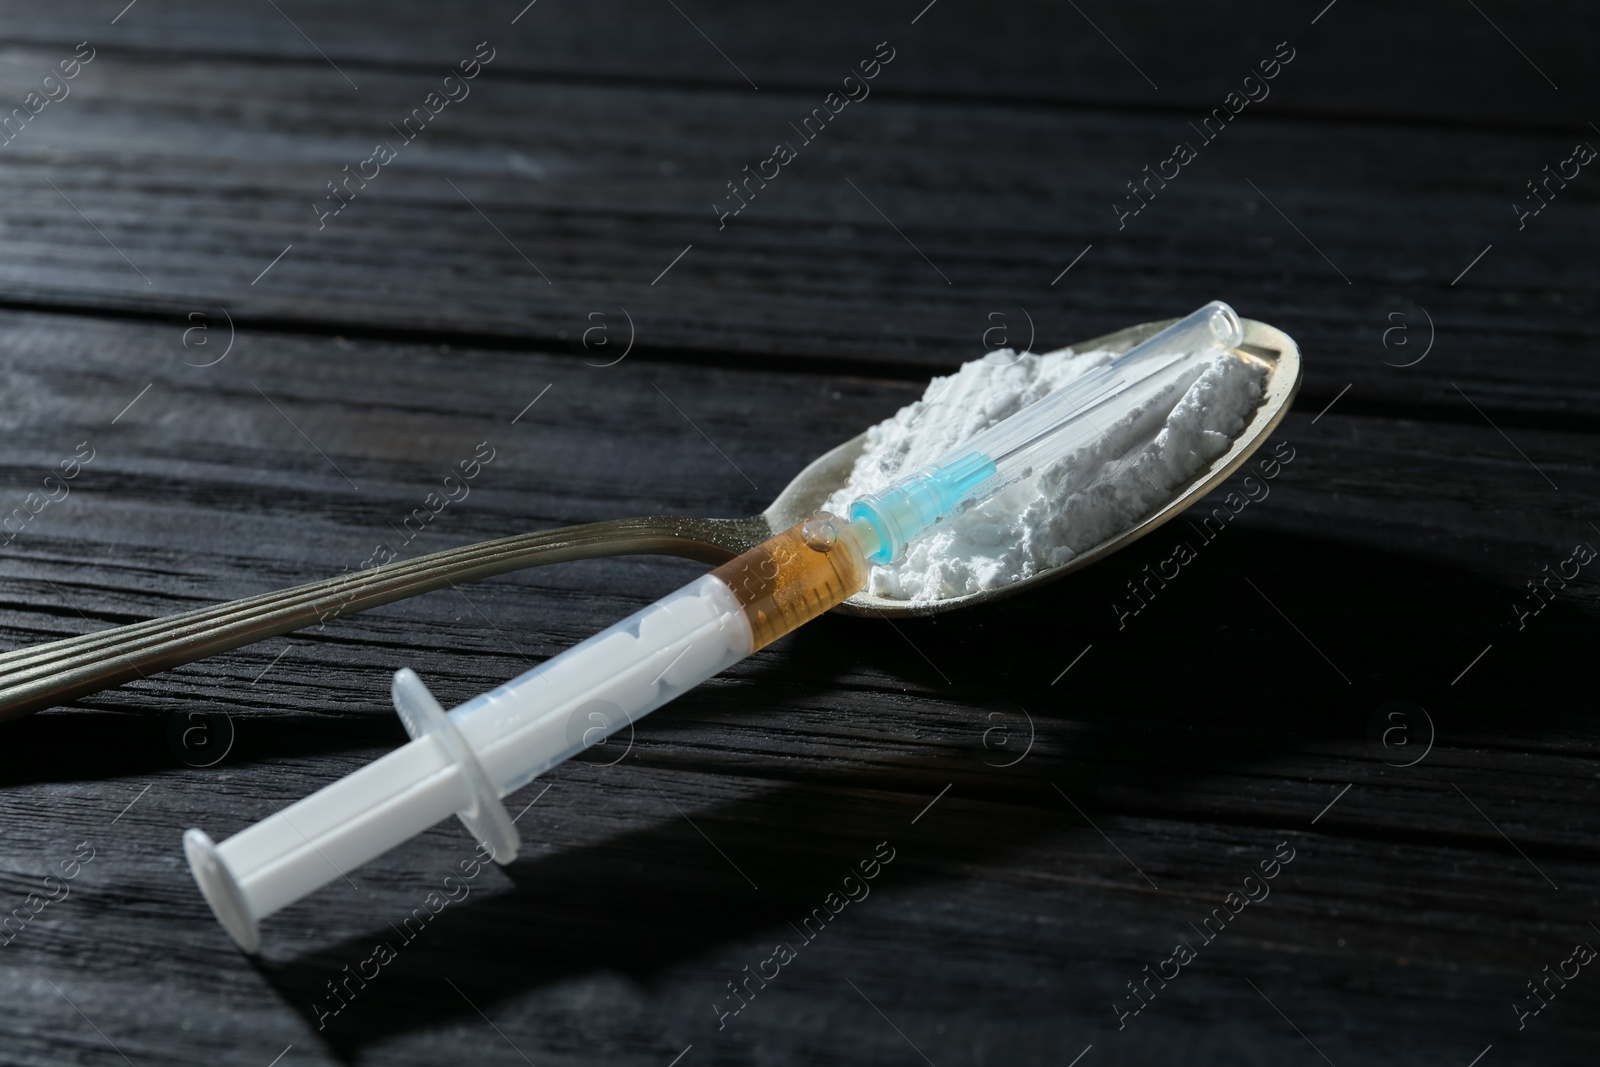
{"x": 574, "y": 701}
{"x": 497, "y": 742}
{"x": 577, "y": 699}
{"x": 1153, "y": 373}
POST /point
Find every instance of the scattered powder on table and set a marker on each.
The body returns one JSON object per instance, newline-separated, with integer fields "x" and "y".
{"x": 1073, "y": 505}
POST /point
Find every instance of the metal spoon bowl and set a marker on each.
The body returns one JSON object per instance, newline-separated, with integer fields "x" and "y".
{"x": 40, "y": 676}
{"x": 1262, "y": 343}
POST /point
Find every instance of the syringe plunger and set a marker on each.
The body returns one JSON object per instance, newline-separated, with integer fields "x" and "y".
{"x": 464, "y": 762}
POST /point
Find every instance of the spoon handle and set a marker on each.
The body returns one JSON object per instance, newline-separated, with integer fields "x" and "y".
{"x": 41, "y": 676}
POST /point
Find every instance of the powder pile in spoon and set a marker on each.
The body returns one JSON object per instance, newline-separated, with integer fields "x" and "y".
{"x": 1134, "y": 467}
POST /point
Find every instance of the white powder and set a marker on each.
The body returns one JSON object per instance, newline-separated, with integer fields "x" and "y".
{"x": 1073, "y": 505}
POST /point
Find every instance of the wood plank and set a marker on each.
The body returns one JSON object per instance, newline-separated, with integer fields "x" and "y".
{"x": 1403, "y": 928}
{"x": 603, "y": 202}
{"x": 1388, "y": 62}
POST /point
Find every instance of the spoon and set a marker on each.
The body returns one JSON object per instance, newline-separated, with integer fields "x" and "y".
{"x": 41, "y": 676}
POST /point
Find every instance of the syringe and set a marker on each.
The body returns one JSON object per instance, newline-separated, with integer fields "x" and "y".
{"x": 463, "y": 762}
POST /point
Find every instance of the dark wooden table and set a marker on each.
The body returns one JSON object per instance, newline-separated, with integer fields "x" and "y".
{"x": 1353, "y": 674}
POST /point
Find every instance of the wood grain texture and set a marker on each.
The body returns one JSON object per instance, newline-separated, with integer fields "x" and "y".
{"x": 1164, "y": 753}
{"x": 1142, "y": 55}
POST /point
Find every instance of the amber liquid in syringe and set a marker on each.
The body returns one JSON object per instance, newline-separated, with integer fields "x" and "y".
{"x": 796, "y": 575}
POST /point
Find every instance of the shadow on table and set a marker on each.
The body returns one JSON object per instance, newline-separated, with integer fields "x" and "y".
{"x": 1264, "y": 644}
{"x": 75, "y": 744}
